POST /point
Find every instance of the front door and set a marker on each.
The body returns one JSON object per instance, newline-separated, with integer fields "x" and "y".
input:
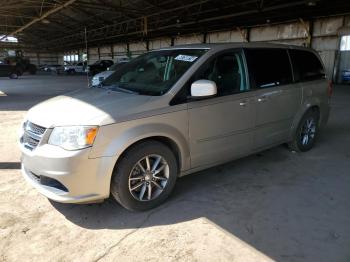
{"x": 221, "y": 128}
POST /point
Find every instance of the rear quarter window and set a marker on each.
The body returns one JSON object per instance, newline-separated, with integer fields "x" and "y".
{"x": 269, "y": 67}
{"x": 306, "y": 65}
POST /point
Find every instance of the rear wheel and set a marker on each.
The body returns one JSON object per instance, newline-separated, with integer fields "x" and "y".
{"x": 145, "y": 176}
{"x": 13, "y": 76}
{"x": 306, "y": 133}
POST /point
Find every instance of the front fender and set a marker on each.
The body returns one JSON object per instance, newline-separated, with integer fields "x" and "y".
{"x": 113, "y": 140}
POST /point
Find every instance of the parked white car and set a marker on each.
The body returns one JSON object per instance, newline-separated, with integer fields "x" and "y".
{"x": 55, "y": 69}
{"x": 98, "y": 78}
{"x": 76, "y": 68}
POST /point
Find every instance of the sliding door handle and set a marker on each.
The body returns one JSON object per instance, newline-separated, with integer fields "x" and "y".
{"x": 262, "y": 99}
{"x": 243, "y": 102}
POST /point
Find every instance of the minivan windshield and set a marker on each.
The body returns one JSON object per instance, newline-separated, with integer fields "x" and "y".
{"x": 115, "y": 66}
{"x": 153, "y": 73}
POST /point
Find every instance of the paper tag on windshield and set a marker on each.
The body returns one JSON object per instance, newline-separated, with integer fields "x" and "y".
{"x": 186, "y": 58}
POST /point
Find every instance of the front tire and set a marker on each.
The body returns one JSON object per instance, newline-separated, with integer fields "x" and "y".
{"x": 145, "y": 176}
{"x": 306, "y": 133}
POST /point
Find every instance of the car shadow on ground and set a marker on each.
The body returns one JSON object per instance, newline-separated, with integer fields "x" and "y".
{"x": 200, "y": 194}
{"x": 10, "y": 165}
{"x": 268, "y": 200}
{"x": 23, "y": 93}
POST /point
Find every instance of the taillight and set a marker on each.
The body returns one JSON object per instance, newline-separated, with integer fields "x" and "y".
{"x": 330, "y": 89}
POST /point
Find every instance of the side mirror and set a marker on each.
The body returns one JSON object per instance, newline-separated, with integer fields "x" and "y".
{"x": 203, "y": 89}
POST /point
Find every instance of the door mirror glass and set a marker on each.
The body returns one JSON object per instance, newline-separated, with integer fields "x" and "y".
{"x": 203, "y": 89}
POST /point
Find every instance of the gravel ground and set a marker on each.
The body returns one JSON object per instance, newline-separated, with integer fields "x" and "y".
{"x": 276, "y": 205}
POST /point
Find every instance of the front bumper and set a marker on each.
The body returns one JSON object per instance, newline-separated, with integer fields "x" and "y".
{"x": 67, "y": 176}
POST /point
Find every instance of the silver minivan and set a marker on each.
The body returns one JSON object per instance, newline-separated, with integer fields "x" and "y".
{"x": 169, "y": 113}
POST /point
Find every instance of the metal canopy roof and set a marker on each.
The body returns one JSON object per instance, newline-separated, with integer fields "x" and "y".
{"x": 60, "y": 24}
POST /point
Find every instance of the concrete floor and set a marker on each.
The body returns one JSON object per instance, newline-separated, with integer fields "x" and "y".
{"x": 277, "y": 205}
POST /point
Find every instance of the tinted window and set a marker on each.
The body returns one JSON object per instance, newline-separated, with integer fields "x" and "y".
{"x": 306, "y": 65}
{"x": 268, "y": 67}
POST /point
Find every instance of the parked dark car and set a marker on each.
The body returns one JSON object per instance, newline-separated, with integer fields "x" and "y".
{"x": 99, "y": 66}
{"x": 8, "y": 71}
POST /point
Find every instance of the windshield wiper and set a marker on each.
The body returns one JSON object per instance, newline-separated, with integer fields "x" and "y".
{"x": 115, "y": 87}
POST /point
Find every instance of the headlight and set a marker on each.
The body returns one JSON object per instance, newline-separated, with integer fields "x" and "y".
{"x": 73, "y": 137}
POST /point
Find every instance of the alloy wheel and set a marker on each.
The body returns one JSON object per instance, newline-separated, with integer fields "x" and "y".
{"x": 308, "y": 131}
{"x": 148, "y": 178}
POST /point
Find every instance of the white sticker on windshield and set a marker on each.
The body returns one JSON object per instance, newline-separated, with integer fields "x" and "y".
{"x": 186, "y": 58}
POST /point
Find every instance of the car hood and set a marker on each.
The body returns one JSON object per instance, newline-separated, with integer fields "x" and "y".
{"x": 93, "y": 106}
{"x": 104, "y": 74}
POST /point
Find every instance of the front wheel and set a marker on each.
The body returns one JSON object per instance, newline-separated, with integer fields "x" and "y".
{"x": 145, "y": 176}
{"x": 306, "y": 133}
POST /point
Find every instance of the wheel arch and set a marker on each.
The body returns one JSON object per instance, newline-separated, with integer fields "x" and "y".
{"x": 115, "y": 142}
{"x": 314, "y": 106}
{"x": 170, "y": 143}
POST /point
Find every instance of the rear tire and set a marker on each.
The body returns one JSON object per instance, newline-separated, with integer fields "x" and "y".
{"x": 145, "y": 176}
{"x": 306, "y": 132}
{"x": 13, "y": 76}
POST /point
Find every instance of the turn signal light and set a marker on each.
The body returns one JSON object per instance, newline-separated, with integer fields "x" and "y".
{"x": 330, "y": 89}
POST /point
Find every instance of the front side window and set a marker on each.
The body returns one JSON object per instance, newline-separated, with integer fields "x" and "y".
{"x": 227, "y": 71}
{"x": 306, "y": 65}
{"x": 153, "y": 73}
{"x": 268, "y": 67}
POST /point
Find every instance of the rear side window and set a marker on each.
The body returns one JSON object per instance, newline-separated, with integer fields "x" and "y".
{"x": 268, "y": 67}
{"x": 306, "y": 65}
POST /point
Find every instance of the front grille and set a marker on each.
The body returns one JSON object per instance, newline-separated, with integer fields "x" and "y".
{"x": 29, "y": 141}
{"x": 38, "y": 130}
{"x": 32, "y": 135}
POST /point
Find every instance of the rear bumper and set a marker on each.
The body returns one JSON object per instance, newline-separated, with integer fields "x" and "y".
{"x": 67, "y": 176}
